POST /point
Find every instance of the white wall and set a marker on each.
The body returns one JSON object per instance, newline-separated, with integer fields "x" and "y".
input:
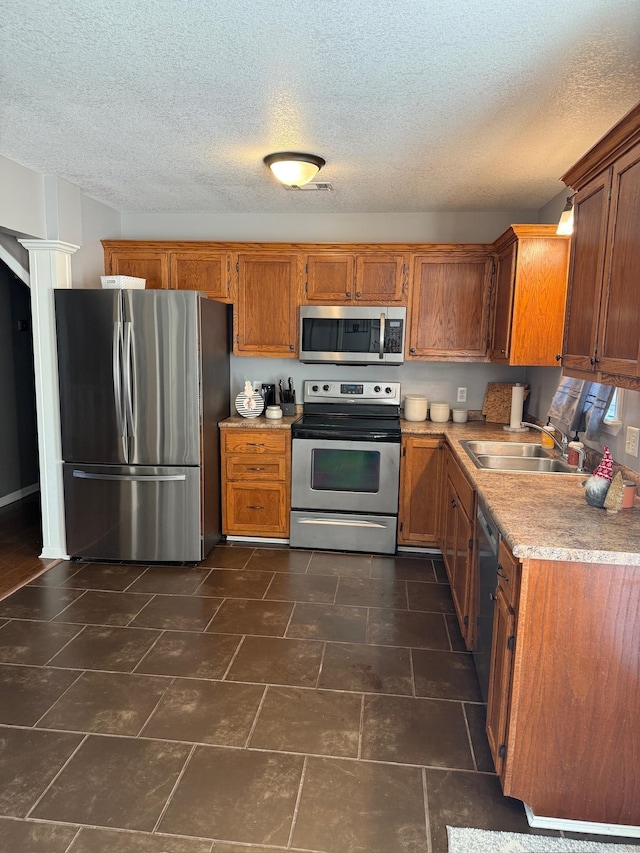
{"x": 322, "y": 228}
{"x": 22, "y": 205}
{"x": 99, "y": 222}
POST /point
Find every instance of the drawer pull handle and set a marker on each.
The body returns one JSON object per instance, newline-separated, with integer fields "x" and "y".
{"x": 453, "y": 503}
{"x": 257, "y": 468}
{"x": 501, "y": 574}
{"x": 255, "y": 507}
{"x": 255, "y": 444}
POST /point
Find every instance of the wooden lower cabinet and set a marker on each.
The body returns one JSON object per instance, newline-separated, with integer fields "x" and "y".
{"x": 458, "y": 544}
{"x": 564, "y": 700}
{"x": 502, "y": 647}
{"x": 256, "y": 497}
{"x": 420, "y": 490}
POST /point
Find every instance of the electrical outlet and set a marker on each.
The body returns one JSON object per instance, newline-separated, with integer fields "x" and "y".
{"x": 632, "y": 440}
{"x": 462, "y": 395}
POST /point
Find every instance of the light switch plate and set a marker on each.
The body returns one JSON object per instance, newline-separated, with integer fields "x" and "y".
{"x": 632, "y": 440}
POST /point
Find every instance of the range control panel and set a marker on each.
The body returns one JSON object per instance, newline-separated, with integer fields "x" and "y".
{"x": 318, "y": 391}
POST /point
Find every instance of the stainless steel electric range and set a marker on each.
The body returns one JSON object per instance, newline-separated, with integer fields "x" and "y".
{"x": 345, "y": 467}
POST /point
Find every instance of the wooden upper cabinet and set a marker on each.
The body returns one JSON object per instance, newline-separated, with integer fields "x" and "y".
{"x": 172, "y": 265}
{"x": 265, "y": 320}
{"x": 449, "y": 304}
{"x": 330, "y": 278}
{"x": 150, "y": 264}
{"x": 351, "y": 277}
{"x": 532, "y": 264}
{"x": 601, "y": 339}
{"x": 586, "y": 270}
{"x": 206, "y": 271}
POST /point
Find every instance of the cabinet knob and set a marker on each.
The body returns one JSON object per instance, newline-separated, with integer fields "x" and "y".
{"x": 453, "y": 503}
{"x": 594, "y": 360}
{"x": 348, "y": 294}
{"x": 503, "y": 352}
{"x": 291, "y": 347}
{"x": 493, "y": 596}
{"x": 413, "y": 349}
{"x": 559, "y": 357}
{"x": 358, "y": 294}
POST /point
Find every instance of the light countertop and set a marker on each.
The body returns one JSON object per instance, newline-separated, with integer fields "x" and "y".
{"x": 541, "y": 516}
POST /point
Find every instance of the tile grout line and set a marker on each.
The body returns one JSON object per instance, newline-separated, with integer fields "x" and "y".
{"x": 52, "y": 782}
{"x": 290, "y": 620}
{"x": 257, "y": 714}
{"x": 414, "y": 693}
{"x": 170, "y": 684}
{"x": 205, "y": 630}
{"x": 427, "y": 819}
{"x": 296, "y": 808}
{"x": 51, "y": 707}
{"x": 70, "y": 640}
{"x": 324, "y": 650}
{"x": 73, "y": 840}
{"x": 173, "y": 790}
{"x": 233, "y": 656}
{"x": 361, "y": 727}
{"x": 469, "y": 738}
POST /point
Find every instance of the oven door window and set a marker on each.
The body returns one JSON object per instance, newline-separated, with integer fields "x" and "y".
{"x": 345, "y": 470}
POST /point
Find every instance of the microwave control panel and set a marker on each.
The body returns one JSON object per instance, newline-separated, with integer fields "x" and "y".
{"x": 393, "y": 336}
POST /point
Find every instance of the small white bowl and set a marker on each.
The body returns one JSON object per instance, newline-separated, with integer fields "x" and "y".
{"x": 459, "y": 416}
{"x": 274, "y": 413}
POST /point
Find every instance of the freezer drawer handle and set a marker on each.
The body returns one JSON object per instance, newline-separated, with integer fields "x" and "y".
{"x": 337, "y": 523}
{"x": 129, "y": 478}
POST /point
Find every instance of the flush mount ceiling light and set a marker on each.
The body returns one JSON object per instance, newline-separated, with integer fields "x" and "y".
{"x": 565, "y": 226}
{"x": 292, "y": 168}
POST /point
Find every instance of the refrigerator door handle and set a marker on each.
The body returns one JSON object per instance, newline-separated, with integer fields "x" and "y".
{"x": 117, "y": 378}
{"x": 129, "y": 478}
{"x": 128, "y": 378}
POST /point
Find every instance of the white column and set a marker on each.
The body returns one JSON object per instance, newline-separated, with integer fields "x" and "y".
{"x": 49, "y": 268}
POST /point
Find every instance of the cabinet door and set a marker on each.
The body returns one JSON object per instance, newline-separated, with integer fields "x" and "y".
{"x": 330, "y": 278}
{"x": 381, "y": 278}
{"x": 500, "y": 679}
{"x": 619, "y": 336}
{"x": 265, "y": 319}
{"x": 503, "y": 303}
{"x": 208, "y": 272}
{"x": 255, "y": 509}
{"x": 449, "y": 306}
{"x": 150, "y": 265}
{"x": 585, "y": 275}
{"x": 420, "y": 497}
{"x": 462, "y": 582}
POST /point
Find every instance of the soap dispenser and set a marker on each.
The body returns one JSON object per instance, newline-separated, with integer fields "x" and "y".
{"x": 546, "y": 440}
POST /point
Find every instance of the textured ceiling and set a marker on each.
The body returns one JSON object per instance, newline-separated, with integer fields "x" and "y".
{"x": 416, "y": 105}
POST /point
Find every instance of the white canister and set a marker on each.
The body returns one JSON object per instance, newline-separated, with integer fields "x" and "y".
{"x": 459, "y": 416}
{"x": 439, "y": 412}
{"x": 415, "y": 407}
{"x": 274, "y": 413}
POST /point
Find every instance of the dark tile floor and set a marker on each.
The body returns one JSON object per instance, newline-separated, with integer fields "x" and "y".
{"x": 265, "y": 701}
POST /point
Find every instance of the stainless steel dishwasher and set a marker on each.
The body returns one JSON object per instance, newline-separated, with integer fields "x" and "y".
{"x": 489, "y": 537}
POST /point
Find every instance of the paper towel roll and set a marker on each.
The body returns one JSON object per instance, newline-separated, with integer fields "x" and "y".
{"x": 517, "y": 403}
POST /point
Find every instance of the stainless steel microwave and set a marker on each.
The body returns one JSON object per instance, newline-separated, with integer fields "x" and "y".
{"x": 352, "y": 334}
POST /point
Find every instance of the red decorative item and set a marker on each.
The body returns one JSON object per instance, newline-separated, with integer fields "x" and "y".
{"x": 605, "y": 468}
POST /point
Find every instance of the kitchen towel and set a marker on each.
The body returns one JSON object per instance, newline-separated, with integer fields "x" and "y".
{"x": 517, "y": 403}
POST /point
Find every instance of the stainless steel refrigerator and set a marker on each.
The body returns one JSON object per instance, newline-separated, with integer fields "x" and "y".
{"x": 144, "y": 380}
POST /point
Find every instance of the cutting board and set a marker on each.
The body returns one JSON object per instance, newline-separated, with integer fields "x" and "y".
{"x": 497, "y": 402}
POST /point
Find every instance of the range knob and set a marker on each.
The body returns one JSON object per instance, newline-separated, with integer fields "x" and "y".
{"x": 388, "y": 390}
{"x": 314, "y": 387}
{"x": 377, "y": 389}
{"x": 325, "y": 387}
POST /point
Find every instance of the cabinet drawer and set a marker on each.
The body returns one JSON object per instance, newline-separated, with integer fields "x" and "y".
{"x": 256, "y": 510}
{"x": 255, "y": 441}
{"x": 264, "y": 468}
{"x": 462, "y": 486}
{"x": 508, "y": 574}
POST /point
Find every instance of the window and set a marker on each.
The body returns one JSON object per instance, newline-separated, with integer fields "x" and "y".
{"x": 613, "y": 418}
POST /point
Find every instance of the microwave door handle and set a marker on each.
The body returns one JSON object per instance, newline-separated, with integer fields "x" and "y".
{"x": 381, "y": 350}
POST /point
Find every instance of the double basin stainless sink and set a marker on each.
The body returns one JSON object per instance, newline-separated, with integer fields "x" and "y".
{"x": 515, "y": 456}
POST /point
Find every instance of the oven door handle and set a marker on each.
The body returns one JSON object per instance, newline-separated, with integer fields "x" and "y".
{"x": 341, "y": 522}
{"x": 382, "y": 324}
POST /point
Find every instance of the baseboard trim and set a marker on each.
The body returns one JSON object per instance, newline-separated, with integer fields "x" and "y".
{"x": 591, "y": 827}
{"x": 257, "y": 540}
{"x": 17, "y": 496}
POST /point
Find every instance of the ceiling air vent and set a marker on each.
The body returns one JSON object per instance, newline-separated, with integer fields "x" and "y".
{"x": 322, "y": 186}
